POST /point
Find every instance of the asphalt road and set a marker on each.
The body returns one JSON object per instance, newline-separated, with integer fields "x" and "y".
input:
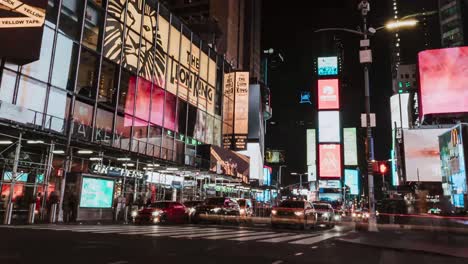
{"x": 122, "y": 244}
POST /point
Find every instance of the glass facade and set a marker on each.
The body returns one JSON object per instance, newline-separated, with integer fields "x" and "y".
{"x": 125, "y": 73}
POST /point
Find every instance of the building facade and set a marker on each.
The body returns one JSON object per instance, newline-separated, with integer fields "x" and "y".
{"x": 123, "y": 91}
{"x": 453, "y": 22}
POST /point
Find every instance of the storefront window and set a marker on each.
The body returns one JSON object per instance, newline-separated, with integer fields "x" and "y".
{"x": 127, "y": 81}
{"x": 87, "y": 74}
{"x": 157, "y": 106}
{"x": 93, "y": 26}
{"x": 103, "y": 130}
{"x": 107, "y": 84}
{"x": 83, "y": 119}
{"x": 140, "y": 136}
{"x": 56, "y": 110}
{"x": 154, "y": 141}
{"x": 7, "y": 87}
{"x": 70, "y": 18}
{"x": 200, "y": 126}
{"x": 66, "y": 54}
{"x": 168, "y": 148}
{"x": 40, "y": 69}
{"x": 31, "y": 95}
{"x": 122, "y": 132}
{"x": 170, "y": 111}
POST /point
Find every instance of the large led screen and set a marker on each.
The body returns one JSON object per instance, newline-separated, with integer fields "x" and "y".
{"x": 352, "y": 181}
{"x": 327, "y": 66}
{"x": 329, "y": 127}
{"x": 328, "y": 94}
{"x": 399, "y": 110}
{"x": 422, "y": 154}
{"x": 330, "y": 160}
{"x": 350, "y": 146}
{"x": 311, "y": 154}
{"x": 96, "y": 193}
{"x": 444, "y": 80}
{"x": 453, "y": 166}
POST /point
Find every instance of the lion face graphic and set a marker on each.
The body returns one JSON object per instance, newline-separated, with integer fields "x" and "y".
{"x": 124, "y": 45}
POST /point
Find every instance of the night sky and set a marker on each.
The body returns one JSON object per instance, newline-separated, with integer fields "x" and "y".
{"x": 289, "y": 30}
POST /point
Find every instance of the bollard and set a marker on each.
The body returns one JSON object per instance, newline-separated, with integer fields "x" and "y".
{"x": 53, "y": 213}
{"x": 32, "y": 213}
{"x": 8, "y": 213}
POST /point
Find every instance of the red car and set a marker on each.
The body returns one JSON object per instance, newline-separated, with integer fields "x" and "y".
{"x": 162, "y": 212}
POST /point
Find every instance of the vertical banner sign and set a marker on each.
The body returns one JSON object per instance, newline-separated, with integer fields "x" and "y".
{"x": 228, "y": 109}
{"x": 21, "y": 27}
{"x": 330, "y": 160}
{"x": 350, "y": 147}
{"x": 311, "y": 155}
{"x": 241, "y": 110}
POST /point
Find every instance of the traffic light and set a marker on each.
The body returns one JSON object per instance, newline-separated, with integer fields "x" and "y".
{"x": 380, "y": 167}
{"x": 383, "y": 168}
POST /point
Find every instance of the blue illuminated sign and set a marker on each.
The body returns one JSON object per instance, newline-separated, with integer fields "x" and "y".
{"x": 327, "y": 66}
{"x": 352, "y": 181}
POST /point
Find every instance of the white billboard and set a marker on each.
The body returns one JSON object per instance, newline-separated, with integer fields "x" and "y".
{"x": 422, "y": 156}
{"x": 350, "y": 147}
{"x": 311, "y": 155}
{"x": 329, "y": 127}
{"x": 399, "y": 110}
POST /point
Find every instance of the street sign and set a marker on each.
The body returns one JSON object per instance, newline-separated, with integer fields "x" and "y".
{"x": 364, "y": 120}
{"x": 365, "y": 56}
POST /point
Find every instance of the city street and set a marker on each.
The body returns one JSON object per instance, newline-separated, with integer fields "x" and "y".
{"x": 120, "y": 244}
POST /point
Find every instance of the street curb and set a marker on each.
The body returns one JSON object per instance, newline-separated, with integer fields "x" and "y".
{"x": 443, "y": 253}
{"x": 364, "y": 227}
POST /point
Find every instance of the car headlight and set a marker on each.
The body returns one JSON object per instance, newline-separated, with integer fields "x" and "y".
{"x": 274, "y": 212}
{"x": 337, "y": 218}
{"x": 242, "y": 211}
{"x": 366, "y": 215}
{"x": 216, "y": 210}
{"x": 156, "y": 213}
{"x": 298, "y": 213}
{"x": 354, "y": 214}
{"x": 134, "y": 213}
{"x": 377, "y": 213}
{"x": 326, "y": 215}
{"x": 192, "y": 210}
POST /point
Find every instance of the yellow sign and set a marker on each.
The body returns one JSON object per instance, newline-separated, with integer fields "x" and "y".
{"x": 34, "y": 16}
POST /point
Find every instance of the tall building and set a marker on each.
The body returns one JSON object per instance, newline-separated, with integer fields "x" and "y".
{"x": 453, "y": 16}
{"x": 232, "y": 27}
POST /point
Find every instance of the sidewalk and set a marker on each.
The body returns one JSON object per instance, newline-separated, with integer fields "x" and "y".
{"x": 448, "y": 244}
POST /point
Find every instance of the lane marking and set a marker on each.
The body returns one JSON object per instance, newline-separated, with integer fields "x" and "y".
{"x": 211, "y": 233}
{"x": 259, "y": 237}
{"x": 236, "y": 235}
{"x": 313, "y": 240}
{"x": 298, "y": 254}
{"x": 283, "y": 239}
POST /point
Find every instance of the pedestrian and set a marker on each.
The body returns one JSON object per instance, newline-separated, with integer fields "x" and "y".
{"x": 38, "y": 203}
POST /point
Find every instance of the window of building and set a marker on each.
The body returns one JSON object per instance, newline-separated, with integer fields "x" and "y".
{"x": 182, "y": 116}
{"x": 191, "y": 120}
{"x": 107, "y": 84}
{"x": 140, "y": 136}
{"x": 127, "y": 81}
{"x": 7, "y": 86}
{"x": 154, "y": 141}
{"x": 122, "y": 132}
{"x": 40, "y": 69}
{"x": 66, "y": 53}
{"x": 70, "y": 18}
{"x": 406, "y": 76}
{"x": 83, "y": 119}
{"x": 32, "y": 95}
{"x": 103, "y": 129}
{"x": 170, "y": 112}
{"x": 56, "y": 110}
{"x": 92, "y": 34}
{"x": 87, "y": 74}
{"x": 157, "y": 106}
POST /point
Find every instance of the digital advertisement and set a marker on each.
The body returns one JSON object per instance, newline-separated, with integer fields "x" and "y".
{"x": 352, "y": 181}
{"x": 241, "y": 110}
{"x": 97, "y": 193}
{"x": 399, "y": 110}
{"x": 329, "y": 127}
{"x": 330, "y": 161}
{"x": 350, "y": 147}
{"x": 311, "y": 149}
{"x": 327, "y": 66}
{"x": 328, "y": 94}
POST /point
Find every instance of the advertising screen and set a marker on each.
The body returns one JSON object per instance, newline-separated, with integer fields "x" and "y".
{"x": 311, "y": 149}
{"x": 350, "y": 147}
{"x": 330, "y": 160}
{"x": 274, "y": 156}
{"x": 422, "y": 154}
{"x": 444, "y": 80}
{"x": 453, "y": 167}
{"x": 333, "y": 184}
{"x": 399, "y": 110}
{"x": 329, "y": 127}
{"x": 352, "y": 181}
{"x": 327, "y": 66}
{"x": 97, "y": 193}
{"x": 328, "y": 94}
{"x": 241, "y": 110}
{"x": 267, "y": 175}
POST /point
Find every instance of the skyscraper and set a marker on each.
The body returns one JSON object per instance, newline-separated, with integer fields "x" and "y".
{"x": 453, "y": 22}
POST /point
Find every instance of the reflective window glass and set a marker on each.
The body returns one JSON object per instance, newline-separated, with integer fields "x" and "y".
{"x": 83, "y": 119}
{"x": 7, "y": 87}
{"x": 103, "y": 130}
{"x": 70, "y": 18}
{"x": 31, "y": 95}
{"x": 108, "y": 84}
{"x": 122, "y": 132}
{"x": 40, "y": 69}
{"x": 65, "y": 58}
{"x": 170, "y": 111}
{"x": 93, "y": 26}
{"x": 56, "y": 110}
{"x": 127, "y": 81}
{"x": 87, "y": 74}
{"x": 157, "y": 106}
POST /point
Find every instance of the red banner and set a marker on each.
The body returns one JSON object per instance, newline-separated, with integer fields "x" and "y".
{"x": 330, "y": 161}
{"x": 328, "y": 94}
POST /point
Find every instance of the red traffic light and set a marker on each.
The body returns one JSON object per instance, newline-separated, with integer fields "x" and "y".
{"x": 383, "y": 168}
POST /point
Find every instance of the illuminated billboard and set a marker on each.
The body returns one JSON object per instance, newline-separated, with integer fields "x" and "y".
{"x": 453, "y": 165}
{"x": 327, "y": 66}
{"x": 311, "y": 149}
{"x": 422, "y": 154}
{"x": 329, "y": 127}
{"x": 274, "y": 156}
{"x": 328, "y": 94}
{"x": 352, "y": 181}
{"x": 399, "y": 110}
{"x": 330, "y": 161}
{"x": 350, "y": 146}
{"x": 444, "y": 81}
{"x": 97, "y": 193}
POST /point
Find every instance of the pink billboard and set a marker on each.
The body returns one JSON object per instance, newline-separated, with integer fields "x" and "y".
{"x": 444, "y": 81}
{"x": 328, "y": 94}
{"x": 330, "y": 161}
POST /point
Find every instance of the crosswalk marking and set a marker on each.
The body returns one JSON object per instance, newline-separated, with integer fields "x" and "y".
{"x": 225, "y": 232}
{"x": 194, "y": 232}
{"x": 236, "y": 235}
{"x": 259, "y": 237}
{"x": 287, "y": 238}
{"x": 314, "y": 240}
